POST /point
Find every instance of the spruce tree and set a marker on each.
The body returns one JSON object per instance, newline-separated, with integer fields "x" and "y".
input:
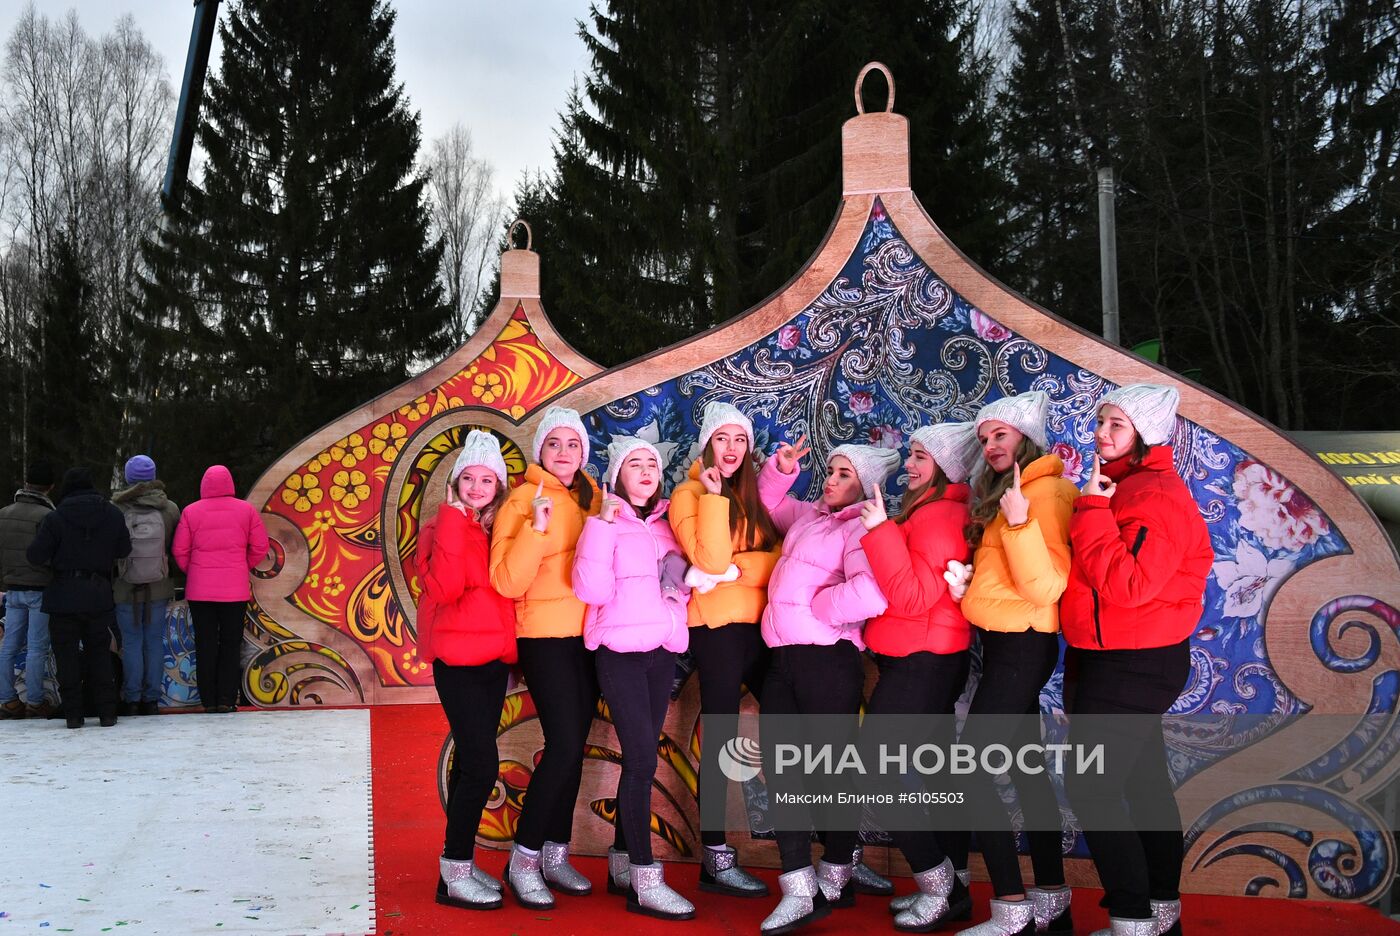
{"x": 700, "y": 165}
{"x": 297, "y": 280}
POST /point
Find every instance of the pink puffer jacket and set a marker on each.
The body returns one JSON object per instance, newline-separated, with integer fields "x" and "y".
{"x": 218, "y": 541}
{"x": 822, "y": 589}
{"x": 617, "y": 574}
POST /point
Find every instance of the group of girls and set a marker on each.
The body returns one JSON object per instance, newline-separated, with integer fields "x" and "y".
{"x": 595, "y": 590}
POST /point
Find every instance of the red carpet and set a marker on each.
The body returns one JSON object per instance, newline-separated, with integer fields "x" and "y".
{"x": 408, "y": 823}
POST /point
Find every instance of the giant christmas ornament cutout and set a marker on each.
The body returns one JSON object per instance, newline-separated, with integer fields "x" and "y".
{"x": 888, "y": 327}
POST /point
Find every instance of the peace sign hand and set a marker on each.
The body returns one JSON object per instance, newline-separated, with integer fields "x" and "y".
{"x": 542, "y": 507}
{"x": 1100, "y": 483}
{"x": 1014, "y": 505}
{"x": 872, "y": 512}
{"x": 790, "y": 454}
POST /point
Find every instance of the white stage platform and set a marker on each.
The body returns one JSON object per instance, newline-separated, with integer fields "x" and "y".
{"x": 189, "y": 823}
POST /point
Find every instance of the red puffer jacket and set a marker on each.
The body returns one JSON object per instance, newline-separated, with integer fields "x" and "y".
{"x": 461, "y": 619}
{"x": 909, "y": 561}
{"x": 1140, "y": 560}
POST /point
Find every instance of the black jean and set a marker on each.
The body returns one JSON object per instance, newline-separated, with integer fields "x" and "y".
{"x": 814, "y": 680}
{"x": 82, "y": 650}
{"x": 471, "y": 698}
{"x": 726, "y": 660}
{"x": 638, "y": 689}
{"x": 218, "y": 636}
{"x": 1134, "y": 867}
{"x": 923, "y": 684}
{"x": 560, "y": 674}
{"x": 1014, "y": 668}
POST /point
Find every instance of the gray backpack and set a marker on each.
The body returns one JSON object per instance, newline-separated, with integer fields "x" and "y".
{"x": 147, "y": 562}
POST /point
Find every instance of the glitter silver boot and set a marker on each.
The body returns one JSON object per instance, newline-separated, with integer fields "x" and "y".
{"x": 650, "y": 895}
{"x": 619, "y": 878}
{"x": 1009, "y": 918}
{"x": 1168, "y": 914}
{"x": 1051, "y": 908}
{"x": 458, "y": 888}
{"x": 900, "y": 904}
{"x": 561, "y": 875}
{"x": 835, "y": 881}
{"x": 802, "y": 903}
{"x": 720, "y": 874}
{"x": 484, "y": 879}
{"x": 940, "y": 895}
{"x": 526, "y": 882}
{"x": 1120, "y": 927}
{"x": 865, "y": 879}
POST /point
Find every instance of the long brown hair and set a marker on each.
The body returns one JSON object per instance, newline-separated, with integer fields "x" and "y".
{"x": 583, "y": 491}
{"x": 914, "y": 497}
{"x": 745, "y": 506}
{"x": 988, "y": 487}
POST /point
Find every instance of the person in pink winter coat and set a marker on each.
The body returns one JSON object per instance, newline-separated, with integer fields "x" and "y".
{"x": 625, "y": 571}
{"x": 819, "y": 597}
{"x": 218, "y": 541}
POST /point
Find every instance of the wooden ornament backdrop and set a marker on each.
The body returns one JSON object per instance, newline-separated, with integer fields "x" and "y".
{"x": 887, "y": 327}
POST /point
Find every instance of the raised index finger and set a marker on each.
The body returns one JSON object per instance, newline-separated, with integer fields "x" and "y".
{"x": 539, "y": 490}
{"x": 1096, "y": 464}
{"x": 1016, "y": 474}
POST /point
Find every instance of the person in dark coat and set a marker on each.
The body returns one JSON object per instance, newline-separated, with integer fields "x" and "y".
{"x": 80, "y": 541}
{"x": 23, "y": 584}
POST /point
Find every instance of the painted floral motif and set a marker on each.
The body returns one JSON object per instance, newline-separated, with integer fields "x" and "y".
{"x": 1275, "y": 510}
{"x": 1249, "y": 579}
{"x": 1073, "y": 459}
{"x": 988, "y": 328}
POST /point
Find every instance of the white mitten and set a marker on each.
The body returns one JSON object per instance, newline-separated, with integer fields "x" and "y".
{"x": 958, "y": 576}
{"x": 704, "y": 582}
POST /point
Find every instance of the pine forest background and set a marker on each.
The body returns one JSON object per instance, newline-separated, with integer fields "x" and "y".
{"x": 324, "y": 251}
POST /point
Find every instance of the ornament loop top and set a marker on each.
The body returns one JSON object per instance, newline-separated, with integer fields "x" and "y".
{"x": 529, "y": 235}
{"x": 889, "y": 80}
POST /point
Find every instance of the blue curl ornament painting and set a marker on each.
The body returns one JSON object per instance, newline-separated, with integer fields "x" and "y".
{"x": 888, "y": 327}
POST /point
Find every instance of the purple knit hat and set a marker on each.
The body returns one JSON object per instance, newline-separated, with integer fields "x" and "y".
{"x": 139, "y": 468}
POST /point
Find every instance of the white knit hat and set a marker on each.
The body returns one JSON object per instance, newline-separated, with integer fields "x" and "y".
{"x": 480, "y": 448}
{"x": 872, "y": 464}
{"x": 719, "y": 414}
{"x": 1150, "y": 407}
{"x": 1024, "y": 412}
{"x": 560, "y": 417}
{"x": 954, "y": 447}
{"x": 622, "y": 446}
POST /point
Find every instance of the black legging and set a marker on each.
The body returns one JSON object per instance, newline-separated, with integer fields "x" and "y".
{"x": 218, "y": 637}
{"x": 638, "y": 689}
{"x": 1134, "y": 867}
{"x": 471, "y": 697}
{"x": 1014, "y": 668}
{"x": 813, "y": 680}
{"x": 559, "y": 671}
{"x": 923, "y": 684}
{"x": 726, "y": 660}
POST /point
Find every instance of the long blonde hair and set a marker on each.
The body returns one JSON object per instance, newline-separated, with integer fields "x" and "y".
{"x": 486, "y": 516}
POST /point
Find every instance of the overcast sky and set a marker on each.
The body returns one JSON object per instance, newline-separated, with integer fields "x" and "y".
{"x": 501, "y": 68}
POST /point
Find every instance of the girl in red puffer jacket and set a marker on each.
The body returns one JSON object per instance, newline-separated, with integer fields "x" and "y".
{"x": 1141, "y": 557}
{"x": 921, "y": 641}
{"x": 467, "y": 632}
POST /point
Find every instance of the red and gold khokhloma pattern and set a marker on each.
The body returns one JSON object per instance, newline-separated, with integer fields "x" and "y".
{"x": 336, "y": 496}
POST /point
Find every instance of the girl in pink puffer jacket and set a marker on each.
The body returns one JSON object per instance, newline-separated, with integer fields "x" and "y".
{"x": 626, "y": 571}
{"x": 218, "y": 541}
{"x": 819, "y": 597}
